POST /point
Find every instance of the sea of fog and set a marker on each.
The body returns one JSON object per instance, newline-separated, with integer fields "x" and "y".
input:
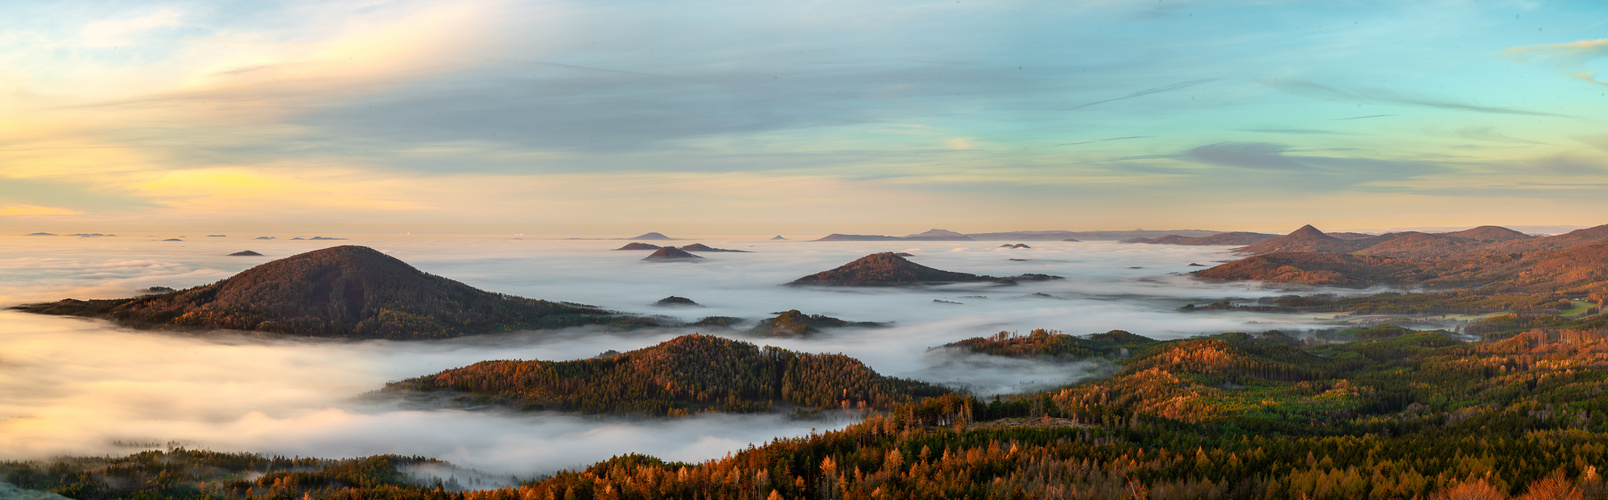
{"x": 73, "y": 386}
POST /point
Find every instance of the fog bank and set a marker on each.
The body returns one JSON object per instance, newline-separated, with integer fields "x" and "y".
{"x": 85, "y": 387}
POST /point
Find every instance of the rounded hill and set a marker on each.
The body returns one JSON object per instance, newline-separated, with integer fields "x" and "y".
{"x": 345, "y": 291}
{"x": 885, "y": 269}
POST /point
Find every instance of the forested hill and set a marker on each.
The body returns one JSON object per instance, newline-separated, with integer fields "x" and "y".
{"x": 345, "y": 291}
{"x": 1395, "y": 414}
{"x": 685, "y": 375}
{"x": 1054, "y": 344}
{"x": 1419, "y": 415}
{"x": 1581, "y": 268}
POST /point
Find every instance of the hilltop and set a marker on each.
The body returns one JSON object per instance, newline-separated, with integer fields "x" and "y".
{"x": 928, "y": 235}
{"x": 1053, "y": 344}
{"x": 639, "y": 246}
{"x": 1306, "y": 239}
{"x": 650, "y": 236}
{"x": 1230, "y": 238}
{"x": 1581, "y": 268}
{"x": 1419, "y": 245}
{"x": 700, "y": 247}
{"x": 670, "y": 254}
{"x": 685, "y": 375}
{"x": 793, "y": 323}
{"x": 345, "y": 291}
{"x": 890, "y": 269}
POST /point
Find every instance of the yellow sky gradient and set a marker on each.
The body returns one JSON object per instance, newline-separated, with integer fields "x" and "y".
{"x": 159, "y": 118}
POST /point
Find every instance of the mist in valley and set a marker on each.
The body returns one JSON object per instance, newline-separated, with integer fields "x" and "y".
{"x": 86, "y": 387}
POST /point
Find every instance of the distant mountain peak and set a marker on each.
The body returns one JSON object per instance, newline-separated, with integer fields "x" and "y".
{"x": 651, "y": 236}
{"x": 930, "y": 233}
{"x": 638, "y": 246}
{"x": 1307, "y": 230}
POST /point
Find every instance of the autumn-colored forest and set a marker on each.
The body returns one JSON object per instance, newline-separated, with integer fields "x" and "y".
{"x": 1393, "y": 414}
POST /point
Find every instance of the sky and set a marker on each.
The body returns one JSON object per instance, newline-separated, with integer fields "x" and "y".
{"x": 613, "y": 117}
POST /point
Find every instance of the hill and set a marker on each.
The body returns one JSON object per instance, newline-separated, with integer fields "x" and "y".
{"x": 345, "y": 291}
{"x": 245, "y": 253}
{"x": 1315, "y": 269}
{"x": 1306, "y": 239}
{"x": 1419, "y": 415}
{"x": 1565, "y": 240}
{"x": 797, "y": 324}
{"x": 928, "y": 235}
{"x": 1582, "y": 268}
{"x": 639, "y": 246}
{"x": 1053, "y": 344}
{"x": 890, "y": 269}
{"x": 1417, "y": 245}
{"x": 1488, "y": 233}
{"x": 664, "y": 254}
{"x": 650, "y": 236}
{"x": 700, "y": 247}
{"x": 1238, "y": 238}
{"x": 685, "y": 375}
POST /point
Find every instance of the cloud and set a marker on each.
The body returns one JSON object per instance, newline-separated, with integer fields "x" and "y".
{"x": 1145, "y": 92}
{"x": 369, "y": 52}
{"x": 1489, "y": 134}
{"x": 1599, "y": 141}
{"x": 35, "y": 210}
{"x": 1128, "y": 138}
{"x": 1362, "y": 117}
{"x": 1254, "y": 155}
{"x": 1567, "y": 58}
{"x": 1573, "y": 164}
{"x": 119, "y": 30}
{"x": 291, "y": 396}
{"x": 1285, "y": 130}
{"x": 72, "y": 196}
{"x": 1325, "y": 92}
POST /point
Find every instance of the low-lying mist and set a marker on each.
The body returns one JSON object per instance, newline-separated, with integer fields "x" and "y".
{"x": 75, "y": 387}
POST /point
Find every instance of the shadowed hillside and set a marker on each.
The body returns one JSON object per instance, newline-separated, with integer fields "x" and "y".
{"x": 890, "y": 269}
{"x": 345, "y": 291}
{"x": 1231, "y": 238}
{"x": 670, "y": 254}
{"x": 1583, "y": 268}
{"x": 685, "y": 375}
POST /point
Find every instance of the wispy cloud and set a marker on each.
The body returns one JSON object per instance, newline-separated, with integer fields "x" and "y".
{"x": 1257, "y": 155}
{"x": 1599, "y": 141}
{"x": 1567, "y": 58}
{"x": 1286, "y": 130}
{"x": 1145, "y": 92}
{"x": 1364, "y": 117}
{"x": 119, "y": 30}
{"x": 1489, "y": 134}
{"x": 1131, "y": 137}
{"x": 1325, "y": 92}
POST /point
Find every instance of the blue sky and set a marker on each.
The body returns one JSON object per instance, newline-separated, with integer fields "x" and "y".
{"x": 812, "y": 117}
